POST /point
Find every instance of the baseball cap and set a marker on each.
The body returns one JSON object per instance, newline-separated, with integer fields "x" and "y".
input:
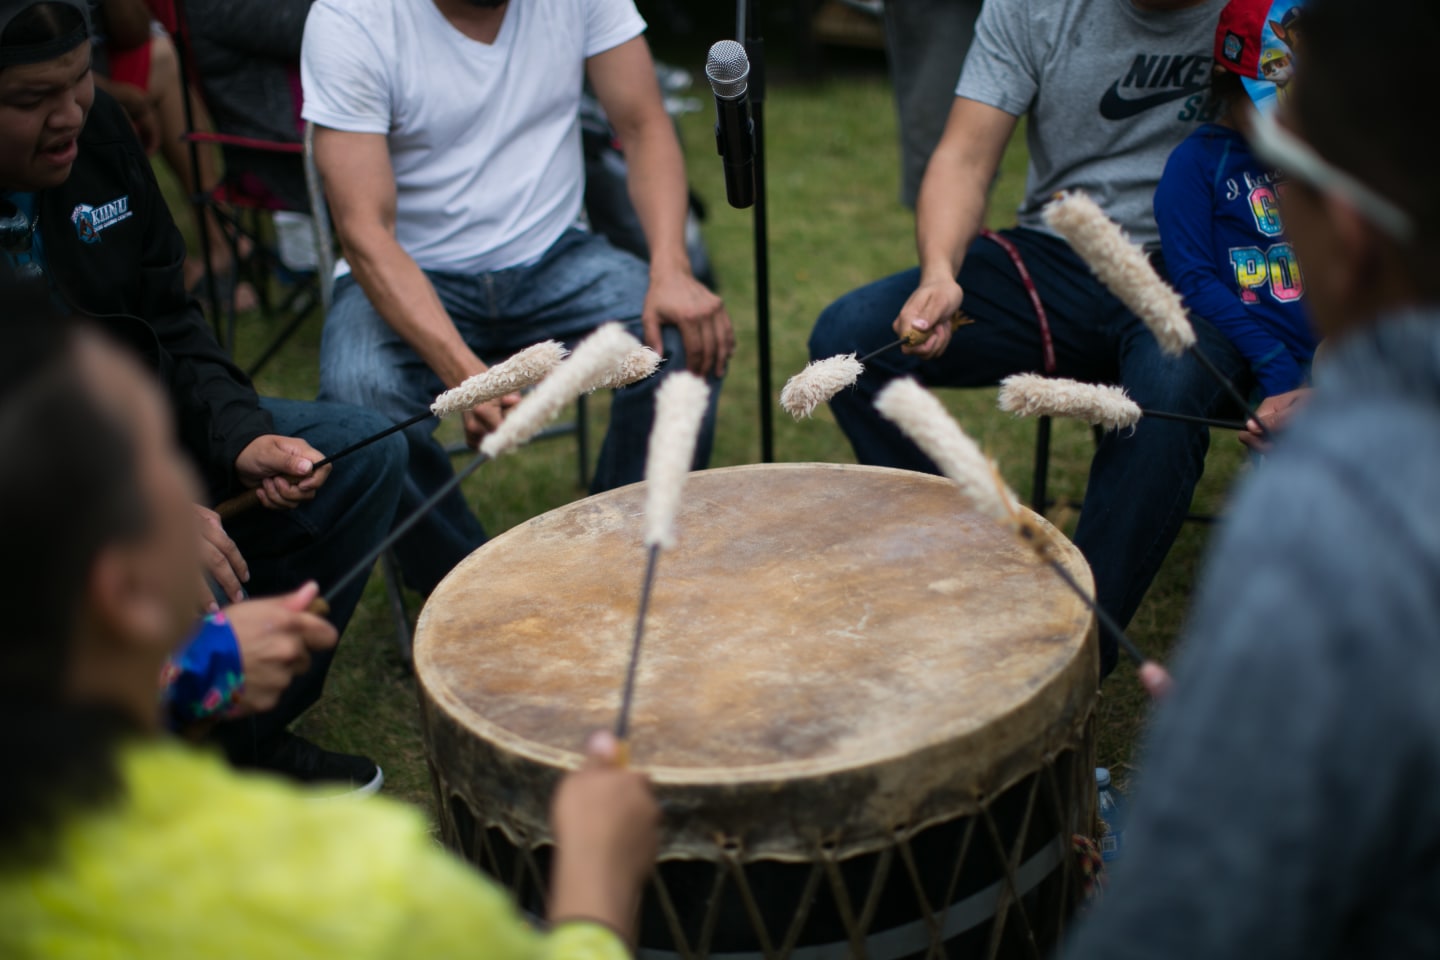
{"x": 13, "y": 55}
{"x": 1256, "y": 39}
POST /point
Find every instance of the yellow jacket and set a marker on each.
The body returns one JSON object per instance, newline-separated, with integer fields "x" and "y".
{"x": 199, "y": 861}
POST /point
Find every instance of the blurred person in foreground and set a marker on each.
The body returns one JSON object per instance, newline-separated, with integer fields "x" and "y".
{"x": 1286, "y": 806}
{"x": 115, "y": 840}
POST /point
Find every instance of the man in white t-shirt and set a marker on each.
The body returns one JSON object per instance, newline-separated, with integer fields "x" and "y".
{"x": 448, "y": 138}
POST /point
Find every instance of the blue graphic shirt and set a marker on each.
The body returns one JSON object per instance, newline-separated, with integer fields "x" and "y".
{"x": 1225, "y": 248}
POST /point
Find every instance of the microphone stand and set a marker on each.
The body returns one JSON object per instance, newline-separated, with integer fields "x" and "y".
{"x": 747, "y": 31}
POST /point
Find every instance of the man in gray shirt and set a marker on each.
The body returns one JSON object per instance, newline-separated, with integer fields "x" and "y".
{"x": 1288, "y": 803}
{"x": 1109, "y": 88}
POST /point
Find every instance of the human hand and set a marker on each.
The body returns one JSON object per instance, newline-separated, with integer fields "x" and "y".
{"x": 1155, "y": 679}
{"x": 1275, "y": 413}
{"x": 676, "y": 298}
{"x": 927, "y": 315}
{"x": 606, "y": 825}
{"x": 484, "y": 418}
{"x": 222, "y": 559}
{"x": 281, "y": 470}
{"x": 276, "y": 637}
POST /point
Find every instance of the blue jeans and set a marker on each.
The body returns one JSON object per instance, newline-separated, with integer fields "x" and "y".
{"x": 1141, "y": 482}
{"x": 319, "y": 540}
{"x": 579, "y": 283}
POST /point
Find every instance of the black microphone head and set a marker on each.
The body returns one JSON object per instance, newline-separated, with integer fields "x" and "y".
{"x": 728, "y": 70}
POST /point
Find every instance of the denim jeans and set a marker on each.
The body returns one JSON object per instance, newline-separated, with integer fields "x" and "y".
{"x": 578, "y": 284}
{"x": 1141, "y": 482}
{"x": 319, "y": 540}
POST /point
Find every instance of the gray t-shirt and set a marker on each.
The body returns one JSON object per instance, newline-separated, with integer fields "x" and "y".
{"x": 1110, "y": 90}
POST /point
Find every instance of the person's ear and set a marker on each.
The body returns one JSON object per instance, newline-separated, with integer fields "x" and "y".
{"x": 126, "y": 601}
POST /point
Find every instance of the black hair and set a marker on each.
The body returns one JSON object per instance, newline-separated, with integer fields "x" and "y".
{"x": 1359, "y": 98}
{"x": 68, "y": 487}
{"x": 42, "y": 32}
{"x": 1226, "y": 90}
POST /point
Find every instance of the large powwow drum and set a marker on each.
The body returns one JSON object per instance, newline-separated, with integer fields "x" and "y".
{"x": 866, "y": 710}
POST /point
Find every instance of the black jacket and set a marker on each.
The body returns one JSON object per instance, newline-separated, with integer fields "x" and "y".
{"x": 115, "y": 255}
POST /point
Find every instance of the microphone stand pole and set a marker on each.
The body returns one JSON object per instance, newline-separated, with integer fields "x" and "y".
{"x": 747, "y": 31}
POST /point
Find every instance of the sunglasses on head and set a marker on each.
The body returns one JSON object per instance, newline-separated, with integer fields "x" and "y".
{"x": 1279, "y": 147}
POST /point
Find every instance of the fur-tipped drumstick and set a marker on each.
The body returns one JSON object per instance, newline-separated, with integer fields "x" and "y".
{"x": 822, "y": 379}
{"x": 1125, "y": 270}
{"x": 522, "y": 370}
{"x": 922, "y": 418}
{"x": 680, "y": 405}
{"x": 1101, "y": 405}
{"x": 594, "y": 360}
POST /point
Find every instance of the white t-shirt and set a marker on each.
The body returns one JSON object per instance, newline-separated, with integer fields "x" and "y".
{"x": 484, "y": 138}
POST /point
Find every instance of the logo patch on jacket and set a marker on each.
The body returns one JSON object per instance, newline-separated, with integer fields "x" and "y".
{"x": 90, "y": 221}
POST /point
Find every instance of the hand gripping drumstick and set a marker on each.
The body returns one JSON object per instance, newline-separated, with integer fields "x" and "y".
{"x": 822, "y": 379}
{"x": 594, "y": 361}
{"x": 522, "y": 370}
{"x": 1123, "y": 268}
{"x": 1101, "y": 405}
{"x": 680, "y": 405}
{"x": 924, "y": 420}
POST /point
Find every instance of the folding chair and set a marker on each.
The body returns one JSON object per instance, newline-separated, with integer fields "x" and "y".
{"x": 241, "y": 204}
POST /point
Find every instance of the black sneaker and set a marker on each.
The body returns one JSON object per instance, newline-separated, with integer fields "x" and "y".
{"x": 299, "y": 759}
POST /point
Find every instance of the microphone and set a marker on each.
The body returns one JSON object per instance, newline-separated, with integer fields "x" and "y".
{"x": 728, "y": 70}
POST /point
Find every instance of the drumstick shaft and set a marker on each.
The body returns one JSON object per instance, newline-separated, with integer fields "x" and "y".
{"x": 622, "y": 722}
{"x": 368, "y": 561}
{"x": 1229, "y": 387}
{"x": 958, "y": 320}
{"x": 1187, "y": 418}
{"x": 241, "y": 502}
{"x": 1126, "y": 644}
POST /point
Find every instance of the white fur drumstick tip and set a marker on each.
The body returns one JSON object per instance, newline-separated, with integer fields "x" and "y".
{"x": 636, "y": 366}
{"x": 524, "y": 369}
{"x": 596, "y": 357}
{"x": 1031, "y": 395}
{"x": 922, "y": 418}
{"x": 818, "y": 382}
{"x": 1123, "y": 268}
{"x": 680, "y": 404}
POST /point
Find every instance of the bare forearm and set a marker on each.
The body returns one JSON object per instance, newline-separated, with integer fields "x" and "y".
{"x": 656, "y": 182}
{"x": 400, "y": 292}
{"x": 949, "y": 214}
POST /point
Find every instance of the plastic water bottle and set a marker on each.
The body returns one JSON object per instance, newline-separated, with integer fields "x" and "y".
{"x": 1112, "y": 816}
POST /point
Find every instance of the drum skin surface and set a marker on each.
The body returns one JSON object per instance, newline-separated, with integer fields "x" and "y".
{"x": 833, "y": 654}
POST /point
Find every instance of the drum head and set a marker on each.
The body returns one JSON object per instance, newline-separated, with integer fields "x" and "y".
{"x": 858, "y": 629}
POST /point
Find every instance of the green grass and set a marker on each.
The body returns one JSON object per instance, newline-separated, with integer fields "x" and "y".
{"x": 835, "y": 223}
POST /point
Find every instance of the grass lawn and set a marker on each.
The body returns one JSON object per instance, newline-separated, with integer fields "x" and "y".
{"x": 835, "y": 223}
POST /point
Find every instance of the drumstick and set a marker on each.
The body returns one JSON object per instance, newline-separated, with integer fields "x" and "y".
{"x": 1125, "y": 270}
{"x": 822, "y": 379}
{"x": 922, "y": 418}
{"x": 1102, "y": 405}
{"x": 680, "y": 405}
{"x": 595, "y": 359}
{"x": 524, "y": 369}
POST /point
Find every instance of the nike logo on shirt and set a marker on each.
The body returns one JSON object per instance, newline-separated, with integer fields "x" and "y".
{"x": 1115, "y": 107}
{"x": 1155, "y": 79}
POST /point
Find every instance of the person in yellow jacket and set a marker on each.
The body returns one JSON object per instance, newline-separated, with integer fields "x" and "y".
{"x": 118, "y": 842}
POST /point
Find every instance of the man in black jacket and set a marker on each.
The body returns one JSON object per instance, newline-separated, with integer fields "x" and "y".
{"x": 79, "y": 205}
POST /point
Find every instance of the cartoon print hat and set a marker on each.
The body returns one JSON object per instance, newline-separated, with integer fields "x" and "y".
{"x": 15, "y": 54}
{"x": 1258, "y": 39}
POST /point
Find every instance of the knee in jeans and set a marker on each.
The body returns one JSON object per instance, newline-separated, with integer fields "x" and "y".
{"x": 832, "y": 333}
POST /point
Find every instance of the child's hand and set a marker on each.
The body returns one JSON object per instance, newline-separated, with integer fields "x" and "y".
{"x": 606, "y": 825}
{"x": 1275, "y": 412}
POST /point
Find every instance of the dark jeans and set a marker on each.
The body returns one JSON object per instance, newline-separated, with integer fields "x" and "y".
{"x": 1141, "y": 482}
{"x": 581, "y": 282}
{"x": 319, "y": 540}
